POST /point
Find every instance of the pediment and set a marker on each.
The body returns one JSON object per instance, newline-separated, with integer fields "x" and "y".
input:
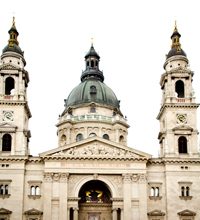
{"x": 156, "y": 212}
{"x": 183, "y": 127}
{"x": 7, "y": 127}
{"x": 186, "y": 212}
{"x": 96, "y": 147}
{"x": 5, "y": 211}
{"x": 9, "y": 66}
{"x": 33, "y": 212}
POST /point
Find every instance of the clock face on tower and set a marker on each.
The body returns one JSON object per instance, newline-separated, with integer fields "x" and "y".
{"x": 182, "y": 118}
{"x": 8, "y": 115}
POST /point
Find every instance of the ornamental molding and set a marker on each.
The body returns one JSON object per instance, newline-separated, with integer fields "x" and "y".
{"x": 13, "y": 158}
{"x": 8, "y": 66}
{"x": 164, "y": 161}
{"x": 56, "y": 177}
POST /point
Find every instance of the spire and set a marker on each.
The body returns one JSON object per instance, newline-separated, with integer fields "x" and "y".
{"x": 92, "y": 59}
{"x": 13, "y": 35}
{"x": 176, "y": 39}
{"x": 176, "y": 46}
{"x": 13, "y": 44}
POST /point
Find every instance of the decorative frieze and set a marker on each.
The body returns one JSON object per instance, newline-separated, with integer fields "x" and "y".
{"x": 56, "y": 177}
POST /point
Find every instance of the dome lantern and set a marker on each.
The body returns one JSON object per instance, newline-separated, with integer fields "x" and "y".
{"x": 92, "y": 66}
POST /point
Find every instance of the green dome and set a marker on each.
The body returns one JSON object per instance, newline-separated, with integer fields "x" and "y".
{"x": 15, "y": 48}
{"x": 92, "y": 90}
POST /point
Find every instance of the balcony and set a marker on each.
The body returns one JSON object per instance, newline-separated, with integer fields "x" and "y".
{"x": 101, "y": 118}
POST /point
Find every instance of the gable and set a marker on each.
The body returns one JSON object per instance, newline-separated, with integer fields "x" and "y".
{"x": 96, "y": 148}
{"x": 7, "y": 127}
{"x": 186, "y": 212}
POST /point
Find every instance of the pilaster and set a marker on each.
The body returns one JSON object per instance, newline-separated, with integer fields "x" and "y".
{"x": 47, "y": 195}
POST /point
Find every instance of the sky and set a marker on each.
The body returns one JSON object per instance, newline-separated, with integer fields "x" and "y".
{"x": 132, "y": 38}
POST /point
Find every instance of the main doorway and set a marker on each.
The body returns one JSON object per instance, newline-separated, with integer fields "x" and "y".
{"x": 95, "y": 201}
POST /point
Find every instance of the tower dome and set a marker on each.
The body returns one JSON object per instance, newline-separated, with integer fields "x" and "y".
{"x": 92, "y": 88}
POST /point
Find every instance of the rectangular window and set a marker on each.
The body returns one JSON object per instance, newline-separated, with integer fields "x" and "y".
{"x": 34, "y": 189}
{"x": 185, "y": 190}
{"x": 5, "y": 188}
{"x": 155, "y": 190}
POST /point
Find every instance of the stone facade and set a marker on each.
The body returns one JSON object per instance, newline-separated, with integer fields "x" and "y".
{"x": 93, "y": 174}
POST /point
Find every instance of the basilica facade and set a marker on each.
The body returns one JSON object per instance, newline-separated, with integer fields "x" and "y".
{"x": 93, "y": 174}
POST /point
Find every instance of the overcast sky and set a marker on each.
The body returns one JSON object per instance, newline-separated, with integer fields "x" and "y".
{"x": 132, "y": 38}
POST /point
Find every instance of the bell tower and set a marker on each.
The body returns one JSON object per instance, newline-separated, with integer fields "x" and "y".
{"x": 178, "y": 134}
{"x": 14, "y": 110}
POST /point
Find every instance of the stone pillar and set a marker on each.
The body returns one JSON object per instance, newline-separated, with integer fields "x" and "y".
{"x": 63, "y": 196}
{"x": 127, "y": 196}
{"x": 47, "y": 195}
{"x": 75, "y": 214}
{"x": 114, "y": 214}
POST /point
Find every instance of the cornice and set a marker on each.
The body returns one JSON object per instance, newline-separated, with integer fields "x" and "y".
{"x": 64, "y": 158}
{"x": 176, "y": 105}
{"x": 13, "y": 158}
{"x": 164, "y": 161}
{"x": 17, "y": 102}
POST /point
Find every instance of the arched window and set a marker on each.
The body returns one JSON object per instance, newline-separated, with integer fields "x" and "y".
{"x": 157, "y": 191}
{"x": 106, "y": 136}
{"x": 92, "y": 63}
{"x": 92, "y": 135}
{"x": 79, "y": 137}
{"x": 179, "y": 89}
{"x": 1, "y": 189}
{"x": 33, "y": 190}
{"x": 9, "y": 85}
{"x": 182, "y": 191}
{"x": 6, "y": 189}
{"x": 121, "y": 139}
{"x": 152, "y": 191}
{"x": 187, "y": 191}
{"x": 182, "y": 145}
{"x": 93, "y": 90}
{"x": 7, "y": 142}
{"x": 37, "y": 190}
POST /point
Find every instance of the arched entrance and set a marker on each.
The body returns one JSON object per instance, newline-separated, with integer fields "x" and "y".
{"x": 95, "y": 201}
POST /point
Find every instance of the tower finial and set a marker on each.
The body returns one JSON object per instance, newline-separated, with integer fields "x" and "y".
{"x": 13, "y": 24}
{"x": 92, "y": 41}
{"x": 175, "y": 26}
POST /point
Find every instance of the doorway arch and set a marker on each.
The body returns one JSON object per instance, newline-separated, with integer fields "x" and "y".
{"x": 95, "y": 201}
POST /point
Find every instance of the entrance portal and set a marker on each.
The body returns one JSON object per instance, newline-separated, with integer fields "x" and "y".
{"x": 95, "y": 201}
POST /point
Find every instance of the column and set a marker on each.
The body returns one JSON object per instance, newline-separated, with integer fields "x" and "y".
{"x": 63, "y": 196}
{"x": 47, "y": 195}
{"x": 127, "y": 195}
{"x": 75, "y": 213}
{"x": 114, "y": 214}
